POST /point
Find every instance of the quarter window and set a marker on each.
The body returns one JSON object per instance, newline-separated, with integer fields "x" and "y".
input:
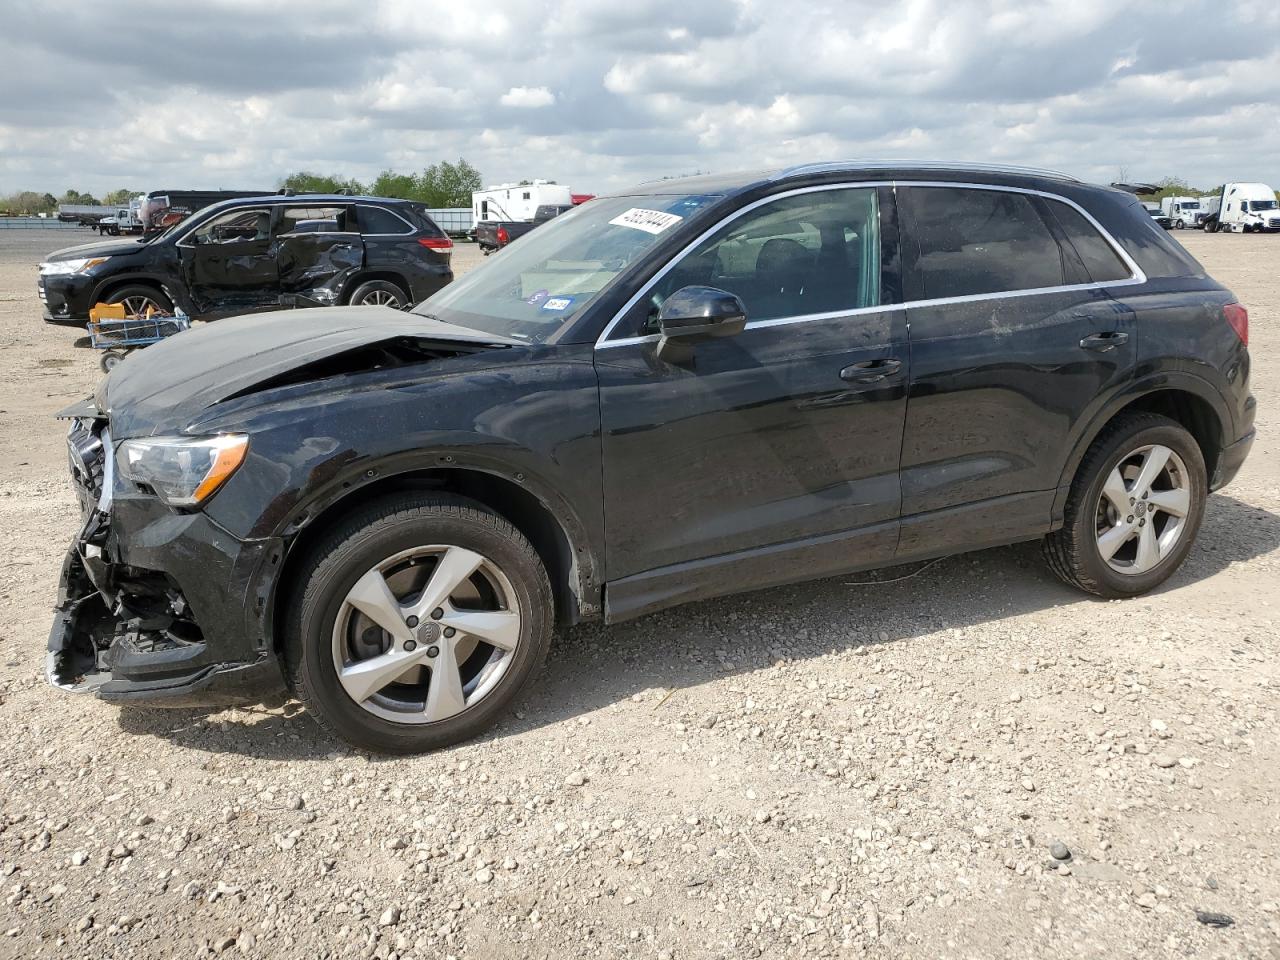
{"x": 810, "y": 253}
{"x": 972, "y": 242}
{"x": 378, "y": 220}
{"x": 1100, "y": 258}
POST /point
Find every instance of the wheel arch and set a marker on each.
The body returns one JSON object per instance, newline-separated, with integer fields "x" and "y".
{"x": 111, "y": 284}
{"x": 556, "y": 535}
{"x": 1189, "y": 401}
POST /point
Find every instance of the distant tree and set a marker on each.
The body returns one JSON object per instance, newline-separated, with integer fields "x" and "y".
{"x": 448, "y": 184}
{"x": 27, "y": 202}
{"x": 75, "y": 196}
{"x": 442, "y": 184}
{"x": 401, "y": 186}
{"x": 306, "y": 182}
{"x": 123, "y": 195}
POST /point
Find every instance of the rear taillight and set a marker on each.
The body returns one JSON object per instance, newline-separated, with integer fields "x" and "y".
{"x": 441, "y": 244}
{"x": 503, "y": 236}
{"x": 1238, "y": 317}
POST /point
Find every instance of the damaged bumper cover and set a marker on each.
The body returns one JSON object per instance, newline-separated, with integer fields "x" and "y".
{"x": 142, "y": 612}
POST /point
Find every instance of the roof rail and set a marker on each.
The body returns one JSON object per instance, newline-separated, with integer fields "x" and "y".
{"x": 834, "y": 166}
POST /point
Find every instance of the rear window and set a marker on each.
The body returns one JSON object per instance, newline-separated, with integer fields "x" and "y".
{"x": 1100, "y": 258}
{"x": 379, "y": 220}
{"x": 973, "y": 241}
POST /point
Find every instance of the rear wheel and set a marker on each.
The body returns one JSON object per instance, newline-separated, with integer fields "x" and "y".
{"x": 1134, "y": 509}
{"x": 137, "y": 298}
{"x": 379, "y": 293}
{"x": 418, "y": 621}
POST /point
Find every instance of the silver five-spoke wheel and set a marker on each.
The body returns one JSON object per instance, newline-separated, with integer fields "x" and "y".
{"x": 426, "y": 634}
{"x": 1142, "y": 510}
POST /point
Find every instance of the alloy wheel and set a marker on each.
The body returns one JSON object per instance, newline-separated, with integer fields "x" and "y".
{"x": 135, "y": 307}
{"x": 380, "y": 298}
{"x": 1142, "y": 510}
{"x": 426, "y": 634}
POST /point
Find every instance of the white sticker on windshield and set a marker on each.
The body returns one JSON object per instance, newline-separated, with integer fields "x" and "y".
{"x": 650, "y": 221}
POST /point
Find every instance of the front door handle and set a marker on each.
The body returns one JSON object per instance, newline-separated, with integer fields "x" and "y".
{"x": 1107, "y": 340}
{"x": 870, "y": 371}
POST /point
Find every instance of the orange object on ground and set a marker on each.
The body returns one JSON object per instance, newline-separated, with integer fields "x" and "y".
{"x": 107, "y": 311}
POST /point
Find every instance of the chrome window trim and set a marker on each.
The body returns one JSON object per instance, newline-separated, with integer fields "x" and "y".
{"x": 1136, "y": 275}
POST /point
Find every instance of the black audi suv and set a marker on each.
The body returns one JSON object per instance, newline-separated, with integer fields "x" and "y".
{"x": 692, "y": 388}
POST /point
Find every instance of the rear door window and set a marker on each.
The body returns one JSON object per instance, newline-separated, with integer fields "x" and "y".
{"x": 973, "y": 241}
{"x": 1100, "y": 258}
{"x": 320, "y": 219}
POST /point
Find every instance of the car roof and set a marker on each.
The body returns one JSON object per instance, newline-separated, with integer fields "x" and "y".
{"x": 306, "y": 199}
{"x": 728, "y": 184}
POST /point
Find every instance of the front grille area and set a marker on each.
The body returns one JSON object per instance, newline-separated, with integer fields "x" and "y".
{"x": 87, "y": 449}
{"x": 1274, "y": 223}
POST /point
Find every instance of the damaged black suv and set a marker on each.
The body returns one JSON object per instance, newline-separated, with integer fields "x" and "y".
{"x": 699, "y": 387}
{"x": 258, "y": 253}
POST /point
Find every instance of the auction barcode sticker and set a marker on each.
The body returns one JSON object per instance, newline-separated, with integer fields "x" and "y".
{"x": 650, "y": 221}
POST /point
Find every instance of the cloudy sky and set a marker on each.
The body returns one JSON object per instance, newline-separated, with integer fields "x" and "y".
{"x": 600, "y": 93}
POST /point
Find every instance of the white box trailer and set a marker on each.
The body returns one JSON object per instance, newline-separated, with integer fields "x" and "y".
{"x": 517, "y": 201}
{"x": 1183, "y": 211}
{"x": 1245, "y": 208}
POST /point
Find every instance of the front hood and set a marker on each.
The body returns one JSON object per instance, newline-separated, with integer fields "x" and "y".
{"x": 107, "y": 248}
{"x": 166, "y": 385}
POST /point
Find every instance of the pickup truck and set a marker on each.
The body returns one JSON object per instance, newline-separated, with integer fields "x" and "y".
{"x": 495, "y": 234}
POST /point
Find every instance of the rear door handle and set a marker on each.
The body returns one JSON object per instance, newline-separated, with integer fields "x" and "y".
{"x": 1102, "y": 342}
{"x": 870, "y": 371}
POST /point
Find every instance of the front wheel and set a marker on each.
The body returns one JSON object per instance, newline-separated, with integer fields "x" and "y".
{"x": 416, "y": 623}
{"x": 1134, "y": 509}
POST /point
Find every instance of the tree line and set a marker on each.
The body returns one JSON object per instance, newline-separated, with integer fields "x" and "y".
{"x": 441, "y": 184}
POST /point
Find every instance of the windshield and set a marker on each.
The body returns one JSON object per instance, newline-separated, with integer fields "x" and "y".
{"x": 1190, "y": 205}
{"x": 1256, "y": 205}
{"x": 532, "y": 288}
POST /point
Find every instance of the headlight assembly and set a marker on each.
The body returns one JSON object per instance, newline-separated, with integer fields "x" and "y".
{"x": 183, "y": 471}
{"x": 55, "y": 267}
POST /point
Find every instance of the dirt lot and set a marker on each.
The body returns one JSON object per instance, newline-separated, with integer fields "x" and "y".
{"x": 839, "y": 768}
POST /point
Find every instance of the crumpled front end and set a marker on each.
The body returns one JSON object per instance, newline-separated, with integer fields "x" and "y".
{"x": 154, "y": 604}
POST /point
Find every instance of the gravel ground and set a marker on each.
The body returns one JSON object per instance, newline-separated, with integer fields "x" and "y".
{"x": 972, "y": 762}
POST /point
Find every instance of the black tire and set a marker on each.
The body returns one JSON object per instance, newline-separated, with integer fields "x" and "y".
{"x": 380, "y": 293}
{"x": 1179, "y": 225}
{"x": 110, "y": 359}
{"x": 1072, "y": 552}
{"x": 357, "y": 545}
{"x": 135, "y": 293}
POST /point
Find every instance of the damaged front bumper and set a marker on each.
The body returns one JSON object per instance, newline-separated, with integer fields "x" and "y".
{"x": 156, "y": 605}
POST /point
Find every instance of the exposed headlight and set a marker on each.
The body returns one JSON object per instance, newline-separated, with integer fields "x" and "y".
{"x": 184, "y": 472}
{"x": 56, "y": 267}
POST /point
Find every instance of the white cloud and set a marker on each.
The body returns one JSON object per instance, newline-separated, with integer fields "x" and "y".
{"x": 238, "y": 93}
{"x": 528, "y": 97}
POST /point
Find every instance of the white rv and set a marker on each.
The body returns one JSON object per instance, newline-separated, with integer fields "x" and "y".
{"x": 517, "y": 201}
{"x": 1247, "y": 208}
{"x": 1183, "y": 211}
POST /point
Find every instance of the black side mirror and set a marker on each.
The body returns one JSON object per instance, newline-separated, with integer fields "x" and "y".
{"x": 694, "y": 314}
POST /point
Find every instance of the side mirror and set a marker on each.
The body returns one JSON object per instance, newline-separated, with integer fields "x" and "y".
{"x": 694, "y": 314}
